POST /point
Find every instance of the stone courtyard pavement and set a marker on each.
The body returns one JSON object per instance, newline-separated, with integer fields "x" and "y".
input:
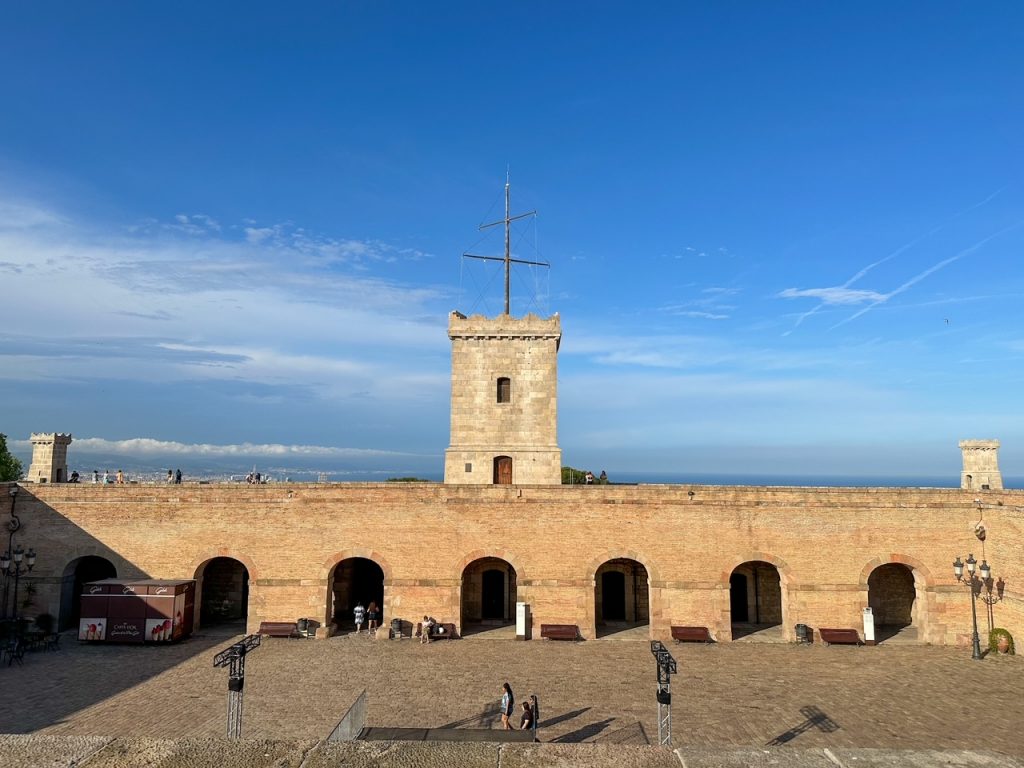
{"x": 600, "y": 691}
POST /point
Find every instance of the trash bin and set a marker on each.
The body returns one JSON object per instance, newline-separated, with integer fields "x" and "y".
{"x": 396, "y": 629}
{"x": 803, "y": 633}
{"x": 302, "y": 626}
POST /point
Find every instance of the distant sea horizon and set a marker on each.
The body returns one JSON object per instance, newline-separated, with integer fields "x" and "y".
{"x": 623, "y": 478}
{"x": 234, "y": 470}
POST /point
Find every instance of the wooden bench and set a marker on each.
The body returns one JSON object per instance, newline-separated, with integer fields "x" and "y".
{"x": 559, "y": 631}
{"x": 691, "y": 635}
{"x": 839, "y": 636}
{"x": 279, "y": 629}
{"x": 449, "y": 632}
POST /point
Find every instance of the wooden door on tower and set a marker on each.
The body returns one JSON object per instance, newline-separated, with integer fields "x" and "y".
{"x": 503, "y": 470}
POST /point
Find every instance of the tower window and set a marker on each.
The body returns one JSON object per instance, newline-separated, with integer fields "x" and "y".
{"x": 504, "y": 390}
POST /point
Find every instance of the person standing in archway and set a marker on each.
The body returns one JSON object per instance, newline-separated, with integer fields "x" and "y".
{"x": 508, "y": 703}
{"x": 359, "y": 614}
{"x": 371, "y": 616}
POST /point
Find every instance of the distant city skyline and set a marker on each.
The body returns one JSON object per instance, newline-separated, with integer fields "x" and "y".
{"x": 784, "y": 241}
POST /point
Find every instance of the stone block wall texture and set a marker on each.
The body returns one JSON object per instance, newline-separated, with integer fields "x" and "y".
{"x": 524, "y": 350}
{"x": 824, "y": 542}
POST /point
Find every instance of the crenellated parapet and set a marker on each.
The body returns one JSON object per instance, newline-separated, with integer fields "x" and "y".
{"x": 504, "y": 327}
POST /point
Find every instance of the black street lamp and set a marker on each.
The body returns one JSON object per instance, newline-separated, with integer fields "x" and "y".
{"x": 974, "y": 584}
{"x": 13, "y": 565}
{"x": 12, "y": 568}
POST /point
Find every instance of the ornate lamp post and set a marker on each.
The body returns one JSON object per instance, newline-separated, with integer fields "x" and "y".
{"x": 12, "y": 568}
{"x": 974, "y": 584}
{"x": 992, "y": 596}
{"x": 13, "y": 565}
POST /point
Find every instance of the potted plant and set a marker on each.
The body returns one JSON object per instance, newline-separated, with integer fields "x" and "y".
{"x": 1000, "y": 640}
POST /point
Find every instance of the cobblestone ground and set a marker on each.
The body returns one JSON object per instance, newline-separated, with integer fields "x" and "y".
{"x": 903, "y": 697}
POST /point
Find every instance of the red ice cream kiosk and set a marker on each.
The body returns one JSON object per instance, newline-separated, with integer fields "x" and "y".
{"x": 137, "y": 611}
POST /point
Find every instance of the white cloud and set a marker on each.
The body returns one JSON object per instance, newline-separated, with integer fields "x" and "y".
{"x": 183, "y": 300}
{"x": 835, "y": 295}
{"x": 701, "y": 315}
{"x": 148, "y": 446}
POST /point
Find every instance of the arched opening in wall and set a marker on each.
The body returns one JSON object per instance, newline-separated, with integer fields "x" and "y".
{"x": 622, "y": 598}
{"x": 969, "y": 481}
{"x": 892, "y": 595}
{"x": 355, "y": 580}
{"x": 488, "y": 597}
{"x": 755, "y": 602}
{"x": 78, "y": 572}
{"x": 222, "y": 586}
{"x": 502, "y": 470}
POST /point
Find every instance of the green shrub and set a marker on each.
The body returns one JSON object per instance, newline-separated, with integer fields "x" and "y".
{"x": 993, "y": 639}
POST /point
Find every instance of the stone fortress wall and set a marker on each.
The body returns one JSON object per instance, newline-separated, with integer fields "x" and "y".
{"x": 502, "y": 529}
{"x": 824, "y": 542}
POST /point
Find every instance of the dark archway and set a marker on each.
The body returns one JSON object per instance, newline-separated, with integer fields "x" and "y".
{"x": 222, "y": 585}
{"x": 621, "y": 596}
{"x": 488, "y": 594}
{"x": 892, "y": 597}
{"x": 355, "y": 580}
{"x": 78, "y": 572}
{"x": 755, "y": 600}
{"x": 738, "y": 608}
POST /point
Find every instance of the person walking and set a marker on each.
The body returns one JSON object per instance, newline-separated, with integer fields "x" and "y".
{"x": 170, "y": 476}
{"x": 508, "y": 703}
{"x": 95, "y": 476}
{"x": 177, "y": 477}
{"x": 360, "y": 615}
{"x": 426, "y": 629}
{"x": 120, "y": 477}
{"x": 106, "y": 476}
{"x": 371, "y": 616}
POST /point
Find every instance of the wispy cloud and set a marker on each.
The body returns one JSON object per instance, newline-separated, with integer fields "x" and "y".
{"x": 930, "y": 271}
{"x": 695, "y": 313}
{"x": 193, "y": 299}
{"x": 836, "y": 295}
{"x": 829, "y": 295}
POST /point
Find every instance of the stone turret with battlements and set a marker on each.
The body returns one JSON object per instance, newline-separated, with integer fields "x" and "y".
{"x": 504, "y": 404}
{"x": 49, "y": 458}
{"x": 981, "y": 465}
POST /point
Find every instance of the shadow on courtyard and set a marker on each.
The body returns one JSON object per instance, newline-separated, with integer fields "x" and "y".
{"x": 87, "y": 674}
{"x": 814, "y": 719}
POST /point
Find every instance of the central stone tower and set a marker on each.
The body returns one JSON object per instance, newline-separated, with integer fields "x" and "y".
{"x": 504, "y": 401}
{"x": 504, "y": 389}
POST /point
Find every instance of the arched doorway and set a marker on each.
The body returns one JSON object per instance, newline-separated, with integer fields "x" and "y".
{"x": 621, "y": 596}
{"x": 80, "y": 571}
{"x": 355, "y": 580}
{"x": 755, "y": 601}
{"x": 222, "y": 585}
{"x": 488, "y": 595}
{"x": 892, "y": 595}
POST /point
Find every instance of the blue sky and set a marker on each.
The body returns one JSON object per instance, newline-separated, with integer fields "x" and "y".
{"x": 784, "y": 238}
